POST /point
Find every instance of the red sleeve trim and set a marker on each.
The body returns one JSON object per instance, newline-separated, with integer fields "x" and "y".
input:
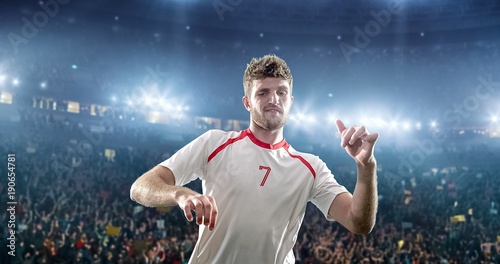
{"x": 308, "y": 165}
{"x": 230, "y": 141}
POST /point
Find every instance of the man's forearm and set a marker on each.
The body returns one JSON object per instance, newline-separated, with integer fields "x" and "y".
{"x": 156, "y": 188}
{"x": 365, "y": 197}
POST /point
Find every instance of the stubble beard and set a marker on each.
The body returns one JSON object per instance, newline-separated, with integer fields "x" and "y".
{"x": 268, "y": 123}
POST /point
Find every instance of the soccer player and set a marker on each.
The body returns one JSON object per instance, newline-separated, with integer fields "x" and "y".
{"x": 255, "y": 184}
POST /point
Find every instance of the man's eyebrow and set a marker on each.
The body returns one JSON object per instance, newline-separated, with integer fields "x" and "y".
{"x": 263, "y": 89}
{"x": 267, "y": 89}
{"x": 279, "y": 87}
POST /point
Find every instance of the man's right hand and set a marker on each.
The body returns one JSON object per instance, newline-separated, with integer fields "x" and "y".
{"x": 204, "y": 207}
{"x": 156, "y": 188}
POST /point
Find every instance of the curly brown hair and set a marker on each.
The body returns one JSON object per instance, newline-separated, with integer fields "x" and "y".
{"x": 267, "y": 66}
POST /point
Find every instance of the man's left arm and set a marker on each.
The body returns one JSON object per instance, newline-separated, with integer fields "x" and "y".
{"x": 357, "y": 211}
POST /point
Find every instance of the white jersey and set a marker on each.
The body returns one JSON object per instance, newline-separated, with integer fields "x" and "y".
{"x": 261, "y": 191}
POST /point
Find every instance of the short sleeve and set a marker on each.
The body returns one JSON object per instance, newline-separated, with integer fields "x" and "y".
{"x": 325, "y": 189}
{"x": 189, "y": 163}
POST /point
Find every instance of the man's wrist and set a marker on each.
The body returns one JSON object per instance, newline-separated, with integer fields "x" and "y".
{"x": 370, "y": 164}
{"x": 182, "y": 193}
{"x": 179, "y": 194}
{"x": 367, "y": 171}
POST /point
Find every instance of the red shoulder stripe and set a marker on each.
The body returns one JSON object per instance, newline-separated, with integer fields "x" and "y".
{"x": 230, "y": 141}
{"x": 308, "y": 165}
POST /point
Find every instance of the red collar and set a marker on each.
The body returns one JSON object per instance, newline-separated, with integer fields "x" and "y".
{"x": 262, "y": 144}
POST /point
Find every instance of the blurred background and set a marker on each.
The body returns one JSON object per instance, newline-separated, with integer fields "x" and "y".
{"x": 95, "y": 93}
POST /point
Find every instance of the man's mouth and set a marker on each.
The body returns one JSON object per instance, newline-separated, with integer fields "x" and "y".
{"x": 276, "y": 110}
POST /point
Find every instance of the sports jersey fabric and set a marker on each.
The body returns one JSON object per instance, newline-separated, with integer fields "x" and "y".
{"x": 261, "y": 191}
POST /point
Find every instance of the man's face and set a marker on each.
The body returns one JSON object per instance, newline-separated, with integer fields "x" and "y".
{"x": 269, "y": 103}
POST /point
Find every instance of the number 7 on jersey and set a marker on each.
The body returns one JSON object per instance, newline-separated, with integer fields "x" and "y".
{"x": 268, "y": 170}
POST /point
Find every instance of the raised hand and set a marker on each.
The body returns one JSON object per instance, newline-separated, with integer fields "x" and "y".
{"x": 358, "y": 142}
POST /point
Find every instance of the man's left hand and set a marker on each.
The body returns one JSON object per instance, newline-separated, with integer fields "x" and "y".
{"x": 358, "y": 142}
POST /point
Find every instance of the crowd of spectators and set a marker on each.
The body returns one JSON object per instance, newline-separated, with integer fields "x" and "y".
{"x": 74, "y": 207}
{"x": 69, "y": 200}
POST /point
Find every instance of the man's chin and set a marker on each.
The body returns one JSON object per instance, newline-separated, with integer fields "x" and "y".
{"x": 274, "y": 125}
{"x": 269, "y": 122}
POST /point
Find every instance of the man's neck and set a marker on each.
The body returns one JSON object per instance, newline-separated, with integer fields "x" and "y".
{"x": 267, "y": 136}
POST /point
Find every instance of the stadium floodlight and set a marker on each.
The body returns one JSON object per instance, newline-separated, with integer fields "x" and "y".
{"x": 418, "y": 125}
{"x": 2, "y": 78}
{"x": 15, "y": 82}
{"x": 129, "y": 102}
{"x": 494, "y": 119}
{"x": 433, "y": 124}
{"x": 180, "y": 108}
{"x": 306, "y": 117}
{"x": 394, "y": 124}
{"x": 114, "y": 99}
{"x": 310, "y": 118}
{"x": 148, "y": 100}
{"x": 406, "y": 125}
{"x": 302, "y": 117}
{"x": 43, "y": 85}
{"x": 365, "y": 121}
{"x": 332, "y": 118}
{"x": 164, "y": 104}
{"x": 379, "y": 122}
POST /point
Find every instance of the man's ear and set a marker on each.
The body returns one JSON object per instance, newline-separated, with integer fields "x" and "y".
{"x": 246, "y": 102}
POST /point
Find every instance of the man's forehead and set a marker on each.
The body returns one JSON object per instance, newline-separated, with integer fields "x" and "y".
{"x": 271, "y": 82}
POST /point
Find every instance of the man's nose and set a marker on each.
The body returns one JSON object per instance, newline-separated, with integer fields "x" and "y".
{"x": 274, "y": 98}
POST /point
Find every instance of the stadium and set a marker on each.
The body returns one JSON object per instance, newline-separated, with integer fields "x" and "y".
{"x": 96, "y": 93}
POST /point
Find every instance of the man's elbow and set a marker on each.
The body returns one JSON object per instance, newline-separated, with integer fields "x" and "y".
{"x": 134, "y": 193}
{"x": 363, "y": 228}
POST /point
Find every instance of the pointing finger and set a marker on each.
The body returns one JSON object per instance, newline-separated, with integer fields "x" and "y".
{"x": 340, "y": 126}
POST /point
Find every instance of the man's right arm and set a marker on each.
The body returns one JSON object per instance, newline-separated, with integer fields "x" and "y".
{"x": 156, "y": 188}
